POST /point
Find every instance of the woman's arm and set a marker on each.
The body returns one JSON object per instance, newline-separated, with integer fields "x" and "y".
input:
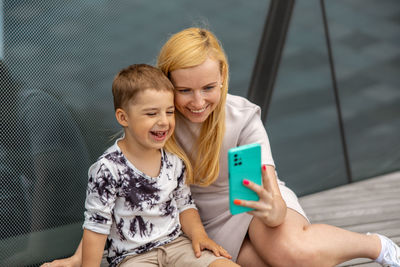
{"x": 73, "y": 261}
{"x": 271, "y": 208}
{"x": 92, "y": 248}
{"x": 94, "y": 208}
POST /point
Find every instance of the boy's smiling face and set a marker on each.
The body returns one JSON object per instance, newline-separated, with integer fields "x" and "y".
{"x": 149, "y": 119}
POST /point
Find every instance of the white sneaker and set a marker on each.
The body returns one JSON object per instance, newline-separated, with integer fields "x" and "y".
{"x": 390, "y": 253}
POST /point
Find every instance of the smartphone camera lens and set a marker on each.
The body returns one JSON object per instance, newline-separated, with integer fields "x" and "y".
{"x": 237, "y": 160}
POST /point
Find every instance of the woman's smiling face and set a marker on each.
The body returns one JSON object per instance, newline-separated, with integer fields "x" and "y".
{"x": 197, "y": 90}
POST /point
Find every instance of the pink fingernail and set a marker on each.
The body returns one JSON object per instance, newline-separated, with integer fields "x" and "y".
{"x": 246, "y": 182}
{"x": 264, "y": 167}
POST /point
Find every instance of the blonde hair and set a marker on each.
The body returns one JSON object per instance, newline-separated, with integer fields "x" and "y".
{"x": 139, "y": 77}
{"x": 189, "y": 48}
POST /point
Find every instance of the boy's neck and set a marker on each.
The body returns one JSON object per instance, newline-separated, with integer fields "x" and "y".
{"x": 144, "y": 159}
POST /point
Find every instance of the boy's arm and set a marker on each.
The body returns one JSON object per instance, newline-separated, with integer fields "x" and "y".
{"x": 191, "y": 223}
{"x": 193, "y": 228}
{"x": 92, "y": 248}
{"x": 99, "y": 204}
{"x": 190, "y": 219}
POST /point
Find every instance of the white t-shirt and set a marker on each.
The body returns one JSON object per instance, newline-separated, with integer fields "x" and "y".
{"x": 136, "y": 211}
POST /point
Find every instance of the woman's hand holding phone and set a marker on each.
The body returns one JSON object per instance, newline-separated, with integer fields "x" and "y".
{"x": 254, "y": 188}
{"x": 244, "y": 163}
{"x": 270, "y": 208}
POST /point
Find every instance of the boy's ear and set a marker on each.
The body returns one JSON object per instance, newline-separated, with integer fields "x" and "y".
{"x": 122, "y": 117}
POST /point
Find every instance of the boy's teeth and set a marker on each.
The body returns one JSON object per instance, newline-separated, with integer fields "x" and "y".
{"x": 159, "y": 133}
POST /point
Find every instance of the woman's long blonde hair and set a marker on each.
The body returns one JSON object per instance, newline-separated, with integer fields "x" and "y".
{"x": 189, "y": 48}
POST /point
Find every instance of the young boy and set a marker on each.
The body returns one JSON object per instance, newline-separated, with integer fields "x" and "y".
{"x": 137, "y": 198}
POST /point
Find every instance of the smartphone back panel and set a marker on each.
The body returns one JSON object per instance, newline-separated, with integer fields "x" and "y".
{"x": 244, "y": 162}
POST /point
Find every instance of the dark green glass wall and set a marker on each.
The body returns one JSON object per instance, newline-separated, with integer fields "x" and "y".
{"x": 366, "y": 46}
{"x": 303, "y": 120}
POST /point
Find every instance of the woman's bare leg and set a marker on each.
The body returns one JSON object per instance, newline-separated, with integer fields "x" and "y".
{"x": 298, "y": 243}
{"x": 223, "y": 263}
{"x": 248, "y": 256}
{"x": 294, "y": 243}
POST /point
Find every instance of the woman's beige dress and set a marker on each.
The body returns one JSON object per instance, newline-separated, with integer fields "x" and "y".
{"x": 243, "y": 126}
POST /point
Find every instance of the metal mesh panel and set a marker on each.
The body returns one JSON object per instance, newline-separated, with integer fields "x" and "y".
{"x": 59, "y": 59}
{"x": 46, "y": 78}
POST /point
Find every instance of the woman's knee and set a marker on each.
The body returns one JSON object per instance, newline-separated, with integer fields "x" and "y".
{"x": 223, "y": 263}
{"x": 282, "y": 245}
{"x": 291, "y": 251}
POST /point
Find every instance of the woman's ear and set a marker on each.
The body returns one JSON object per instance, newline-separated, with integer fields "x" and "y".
{"x": 122, "y": 117}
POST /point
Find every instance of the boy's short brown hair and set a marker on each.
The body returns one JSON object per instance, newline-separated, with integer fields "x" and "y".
{"x": 135, "y": 78}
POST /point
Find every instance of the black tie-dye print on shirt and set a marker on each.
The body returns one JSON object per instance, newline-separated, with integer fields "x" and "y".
{"x": 136, "y": 211}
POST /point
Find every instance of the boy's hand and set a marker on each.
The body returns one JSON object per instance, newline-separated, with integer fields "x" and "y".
{"x": 193, "y": 228}
{"x": 202, "y": 242}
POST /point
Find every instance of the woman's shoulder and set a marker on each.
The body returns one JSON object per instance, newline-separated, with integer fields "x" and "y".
{"x": 240, "y": 106}
{"x": 240, "y": 102}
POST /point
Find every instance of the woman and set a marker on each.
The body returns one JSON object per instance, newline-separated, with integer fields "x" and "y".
{"x": 209, "y": 122}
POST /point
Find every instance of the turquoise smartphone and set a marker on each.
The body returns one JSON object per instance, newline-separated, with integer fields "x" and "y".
{"x": 244, "y": 162}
